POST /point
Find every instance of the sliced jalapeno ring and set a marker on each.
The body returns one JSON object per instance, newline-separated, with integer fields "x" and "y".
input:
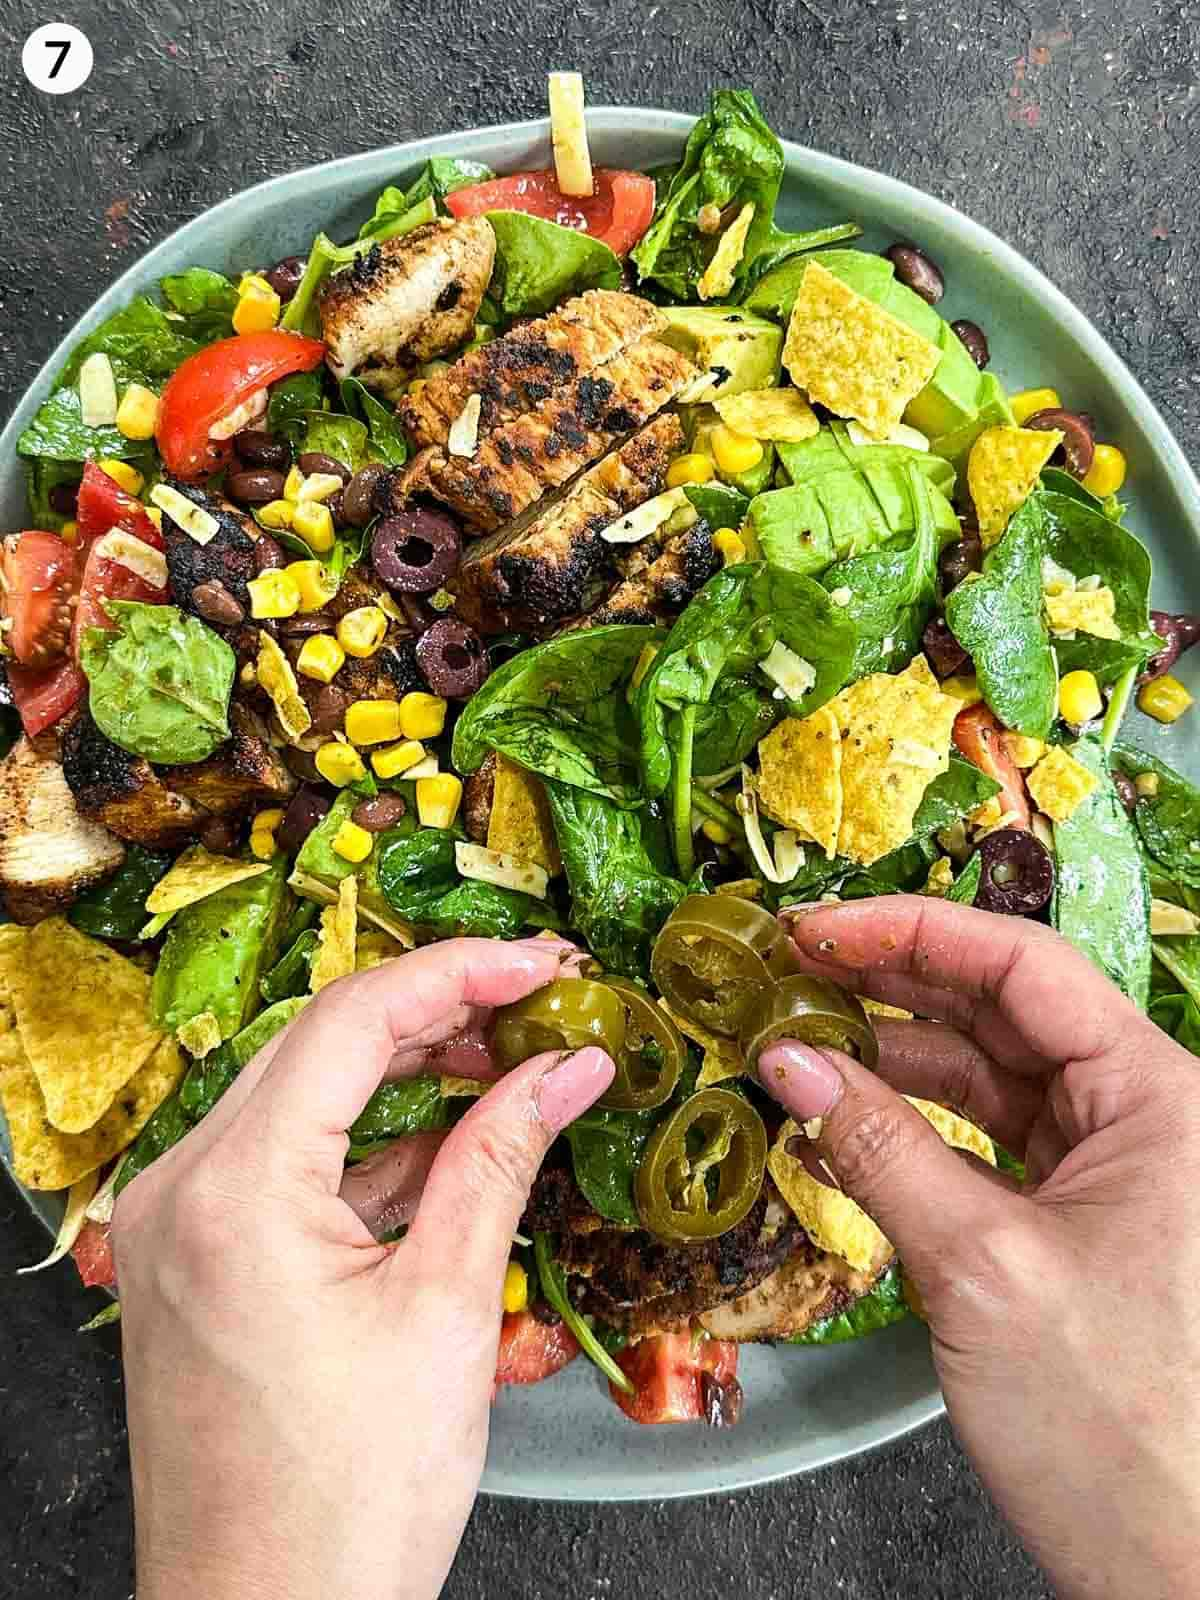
{"x": 654, "y": 1055}
{"x": 714, "y": 956}
{"x": 566, "y": 1015}
{"x": 812, "y": 1010}
{"x": 702, "y": 1168}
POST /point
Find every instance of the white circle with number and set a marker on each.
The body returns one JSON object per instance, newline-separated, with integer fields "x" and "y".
{"x": 57, "y": 58}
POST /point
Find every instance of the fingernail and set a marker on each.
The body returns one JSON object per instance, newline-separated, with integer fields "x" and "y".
{"x": 568, "y": 1089}
{"x": 813, "y": 1163}
{"x": 803, "y": 1080}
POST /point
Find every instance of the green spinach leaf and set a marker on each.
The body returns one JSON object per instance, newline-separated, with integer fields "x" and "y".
{"x": 539, "y": 263}
{"x": 406, "y": 1106}
{"x": 440, "y": 176}
{"x": 1178, "y": 1015}
{"x": 606, "y": 1147}
{"x": 1082, "y": 539}
{"x": 881, "y": 1307}
{"x": 333, "y": 434}
{"x": 720, "y": 504}
{"x": 966, "y": 886}
{"x": 1168, "y": 822}
{"x": 292, "y": 401}
{"x": 116, "y": 908}
{"x": 385, "y": 432}
{"x": 204, "y": 299}
{"x": 419, "y": 880}
{"x": 554, "y": 1289}
{"x": 290, "y": 975}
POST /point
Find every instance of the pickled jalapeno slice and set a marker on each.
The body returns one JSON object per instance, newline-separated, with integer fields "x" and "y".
{"x": 654, "y": 1054}
{"x": 715, "y": 955}
{"x": 702, "y": 1168}
{"x": 566, "y": 1015}
{"x": 812, "y": 1010}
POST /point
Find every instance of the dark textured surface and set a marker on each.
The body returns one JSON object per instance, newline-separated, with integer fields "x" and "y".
{"x": 1064, "y": 128}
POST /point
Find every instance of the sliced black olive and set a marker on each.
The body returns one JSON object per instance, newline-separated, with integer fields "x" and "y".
{"x": 1179, "y": 630}
{"x": 943, "y": 651}
{"x": 1079, "y": 442}
{"x": 1017, "y": 873}
{"x": 416, "y": 551}
{"x": 452, "y": 659}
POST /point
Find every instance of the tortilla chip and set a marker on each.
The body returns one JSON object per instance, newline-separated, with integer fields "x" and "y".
{"x": 722, "y": 1058}
{"x": 337, "y": 954}
{"x": 372, "y": 949}
{"x": 46, "y": 1158}
{"x": 83, "y": 1013}
{"x": 800, "y": 776}
{"x": 1003, "y": 471}
{"x": 940, "y": 879}
{"x": 718, "y": 278}
{"x": 520, "y": 824}
{"x": 1084, "y": 611}
{"x": 780, "y": 416}
{"x": 279, "y": 681}
{"x": 741, "y": 888}
{"x": 201, "y": 1036}
{"x": 958, "y": 1133}
{"x": 849, "y": 354}
{"x": 920, "y": 670}
{"x": 880, "y": 1008}
{"x": 194, "y": 876}
{"x": 463, "y": 1088}
{"x": 895, "y": 738}
{"x": 1059, "y": 784}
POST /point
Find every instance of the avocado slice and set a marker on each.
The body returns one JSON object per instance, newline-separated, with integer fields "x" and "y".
{"x": 775, "y": 293}
{"x": 832, "y": 450}
{"x": 734, "y": 350}
{"x": 993, "y": 411}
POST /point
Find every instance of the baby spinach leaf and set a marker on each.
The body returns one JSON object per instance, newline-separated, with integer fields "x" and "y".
{"x": 738, "y": 715}
{"x": 1101, "y": 896}
{"x": 554, "y": 1290}
{"x": 59, "y": 433}
{"x": 116, "y": 908}
{"x": 333, "y": 434}
{"x": 385, "y": 431}
{"x": 42, "y": 476}
{"x": 160, "y": 682}
{"x": 1082, "y": 539}
{"x": 290, "y": 975}
{"x": 721, "y": 505}
{"x": 618, "y": 871}
{"x": 1168, "y": 822}
{"x": 606, "y": 1147}
{"x": 440, "y": 176}
{"x": 292, "y": 401}
{"x": 775, "y": 293}
{"x": 419, "y": 880}
{"x": 997, "y": 616}
{"x": 1181, "y": 958}
{"x": 204, "y": 299}
{"x": 539, "y": 263}
{"x": 395, "y": 1110}
{"x": 560, "y": 710}
{"x": 966, "y": 886}
{"x": 880, "y": 1307}
{"x": 1178, "y": 1015}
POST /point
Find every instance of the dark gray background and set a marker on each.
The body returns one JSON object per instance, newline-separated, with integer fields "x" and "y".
{"x": 1070, "y": 130}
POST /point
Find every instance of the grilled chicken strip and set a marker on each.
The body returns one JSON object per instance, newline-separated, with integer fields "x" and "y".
{"x": 123, "y": 791}
{"x": 657, "y": 590}
{"x": 48, "y": 853}
{"x": 542, "y": 570}
{"x": 407, "y": 300}
{"x": 244, "y": 772}
{"x": 810, "y": 1286}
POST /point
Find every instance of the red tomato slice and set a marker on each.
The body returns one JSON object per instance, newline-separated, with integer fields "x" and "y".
{"x": 40, "y": 578}
{"x": 104, "y": 505}
{"x": 92, "y": 1253}
{"x": 667, "y": 1372}
{"x": 211, "y": 383}
{"x": 979, "y": 736}
{"x": 531, "y": 1351}
{"x": 617, "y": 213}
{"x": 106, "y": 579}
{"x": 41, "y": 698}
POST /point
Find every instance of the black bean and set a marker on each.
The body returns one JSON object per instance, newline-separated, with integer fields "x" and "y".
{"x": 329, "y": 709}
{"x": 336, "y": 506}
{"x": 975, "y": 340}
{"x": 258, "y": 448}
{"x": 214, "y": 603}
{"x": 302, "y": 764}
{"x": 254, "y": 486}
{"x": 269, "y": 553}
{"x": 1017, "y": 876}
{"x": 304, "y": 626}
{"x": 284, "y": 277}
{"x": 1079, "y": 444}
{"x": 64, "y": 499}
{"x": 380, "y": 813}
{"x": 220, "y": 836}
{"x": 1126, "y": 793}
{"x": 917, "y": 272}
{"x": 945, "y": 655}
{"x": 317, "y": 461}
{"x": 452, "y": 658}
{"x": 958, "y": 560}
{"x": 359, "y": 494}
{"x": 1179, "y": 630}
{"x": 418, "y": 613}
{"x": 416, "y": 551}
{"x": 304, "y": 810}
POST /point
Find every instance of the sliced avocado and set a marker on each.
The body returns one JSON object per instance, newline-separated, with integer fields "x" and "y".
{"x": 832, "y": 450}
{"x": 734, "y": 350}
{"x": 319, "y": 870}
{"x": 994, "y": 411}
{"x": 775, "y": 293}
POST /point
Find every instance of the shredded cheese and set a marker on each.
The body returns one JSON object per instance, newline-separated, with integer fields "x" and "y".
{"x": 568, "y": 134}
{"x": 79, "y": 1197}
{"x": 647, "y": 518}
{"x": 792, "y": 674}
{"x": 240, "y": 417}
{"x": 97, "y": 392}
{"x": 195, "y": 521}
{"x": 463, "y": 438}
{"x": 505, "y": 871}
{"x": 139, "y": 557}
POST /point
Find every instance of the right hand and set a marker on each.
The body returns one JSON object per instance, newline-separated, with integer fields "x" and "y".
{"x": 1065, "y": 1315}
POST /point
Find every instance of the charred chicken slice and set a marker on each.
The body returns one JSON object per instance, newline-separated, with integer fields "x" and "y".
{"x": 808, "y": 1287}
{"x": 244, "y": 772}
{"x": 658, "y": 588}
{"x": 123, "y": 791}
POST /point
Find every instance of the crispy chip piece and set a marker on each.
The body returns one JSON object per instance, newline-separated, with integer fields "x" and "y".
{"x": 337, "y": 955}
{"x": 83, "y": 1013}
{"x": 279, "y": 681}
{"x": 958, "y": 1133}
{"x": 722, "y": 1058}
{"x": 46, "y": 1158}
{"x": 800, "y": 776}
{"x": 940, "y": 879}
{"x": 1085, "y": 611}
{"x": 781, "y": 416}
{"x": 201, "y": 1036}
{"x": 920, "y": 670}
{"x": 895, "y": 733}
{"x": 194, "y": 876}
{"x": 1059, "y": 784}
{"x": 880, "y": 1008}
{"x": 852, "y": 356}
{"x": 1002, "y": 472}
{"x": 520, "y": 824}
{"x": 372, "y": 949}
{"x": 463, "y": 1088}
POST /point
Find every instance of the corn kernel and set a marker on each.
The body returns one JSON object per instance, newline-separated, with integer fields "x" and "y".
{"x": 694, "y": 468}
{"x": 137, "y": 415}
{"x": 257, "y": 309}
{"x": 644, "y": 662}
{"x": 267, "y": 821}
{"x": 339, "y": 764}
{"x": 1165, "y": 699}
{"x": 274, "y": 594}
{"x": 319, "y": 486}
{"x": 276, "y": 514}
{"x": 417, "y": 385}
{"x": 321, "y": 657}
{"x": 1030, "y": 401}
{"x": 730, "y": 546}
{"x": 262, "y": 844}
{"x": 716, "y": 831}
{"x": 394, "y": 759}
{"x": 292, "y": 484}
{"x": 70, "y": 531}
{"x": 362, "y": 631}
{"x": 437, "y": 800}
{"x": 316, "y": 583}
{"x": 422, "y": 716}
{"x": 1146, "y": 785}
{"x": 1026, "y": 752}
{"x": 313, "y": 522}
{"x": 964, "y": 688}
{"x": 373, "y": 721}
{"x": 352, "y": 843}
{"x": 516, "y": 1288}
{"x": 1079, "y": 697}
{"x": 121, "y": 473}
{"x": 735, "y": 452}
{"x": 1106, "y": 473}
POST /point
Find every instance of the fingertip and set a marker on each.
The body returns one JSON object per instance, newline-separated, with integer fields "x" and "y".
{"x": 806, "y": 1081}
{"x": 572, "y": 1085}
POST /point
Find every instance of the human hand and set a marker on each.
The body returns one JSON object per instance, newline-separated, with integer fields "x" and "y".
{"x": 1064, "y": 1315}
{"x": 308, "y": 1409}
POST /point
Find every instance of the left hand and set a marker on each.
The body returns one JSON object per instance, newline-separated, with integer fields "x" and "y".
{"x": 308, "y": 1409}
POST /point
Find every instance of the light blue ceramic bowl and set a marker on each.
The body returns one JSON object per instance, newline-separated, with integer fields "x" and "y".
{"x": 804, "y": 1408}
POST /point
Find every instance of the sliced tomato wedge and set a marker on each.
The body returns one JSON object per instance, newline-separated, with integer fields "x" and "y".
{"x": 211, "y": 383}
{"x": 104, "y": 505}
{"x": 979, "y": 737}
{"x": 92, "y": 1253}
{"x": 531, "y": 1351}
{"x": 41, "y": 698}
{"x": 668, "y": 1374}
{"x": 106, "y": 579}
{"x": 40, "y": 580}
{"x": 618, "y": 212}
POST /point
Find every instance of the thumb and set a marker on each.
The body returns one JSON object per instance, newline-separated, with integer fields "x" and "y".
{"x": 478, "y": 1186}
{"x": 927, "y": 1198}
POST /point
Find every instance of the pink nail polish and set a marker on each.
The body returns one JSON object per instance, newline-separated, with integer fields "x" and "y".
{"x": 803, "y": 1080}
{"x": 568, "y": 1089}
